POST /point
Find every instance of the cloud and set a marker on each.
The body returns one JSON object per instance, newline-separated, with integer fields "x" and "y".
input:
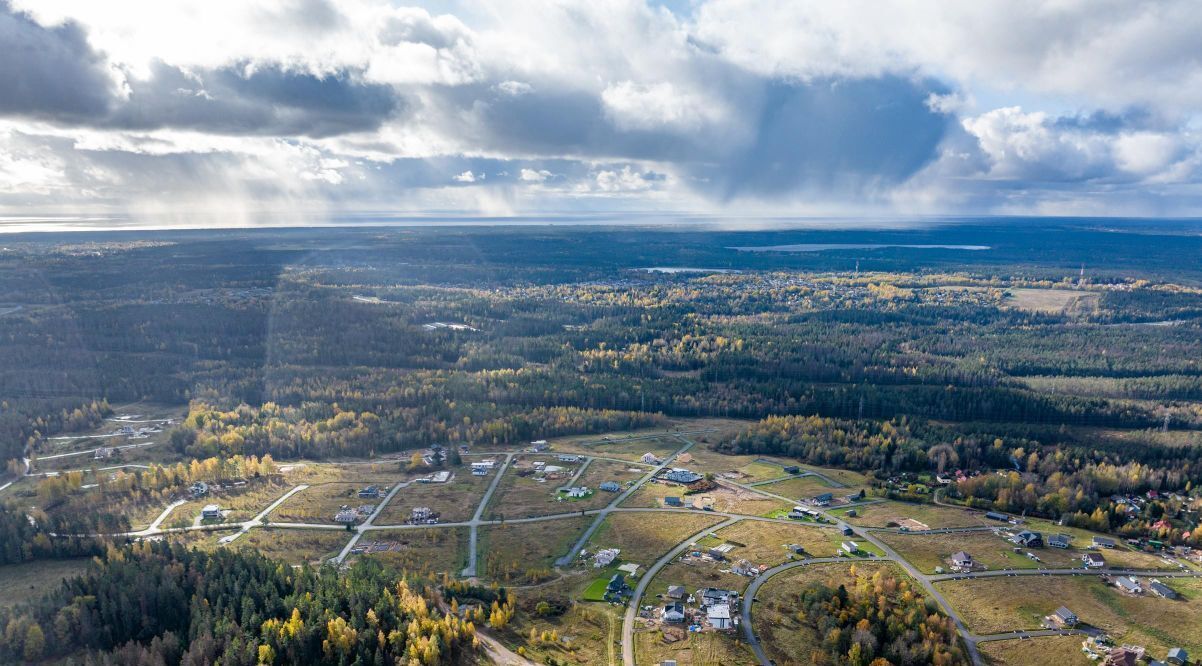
{"x": 47, "y": 72}
{"x": 534, "y": 176}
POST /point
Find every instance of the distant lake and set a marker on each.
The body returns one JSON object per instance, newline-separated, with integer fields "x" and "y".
{"x": 819, "y": 247}
{"x": 686, "y": 269}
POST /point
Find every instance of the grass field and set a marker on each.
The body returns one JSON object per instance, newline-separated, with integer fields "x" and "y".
{"x": 425, "y": 551}
{"x": 1045, "y": 651}
{"x": 526, "y": 496}
{"x": 644, "y": 537}
{"x": 703, "y": 649}
{"x": 30, "y": 580}
{"x": 881, "y": 514}
{"x": 455, "y": 501}
{"x": 774, "y": 612}
{"x": 522, "y": 553}
{"x": 294, "y": 546}
{"x": 588, "y": 632}
{"x": 1005, "y": 604}
{"x": 927, "y": 551}
{"x": 748, "y": 468}
{"x": 802, "y": 487}
{"x": 1053, "y": 300}
{"x": 318, "y": 504}
{"x": 725, "y": 499}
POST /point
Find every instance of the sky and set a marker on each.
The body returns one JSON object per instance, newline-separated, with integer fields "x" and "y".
{"x": 232, "y": 112}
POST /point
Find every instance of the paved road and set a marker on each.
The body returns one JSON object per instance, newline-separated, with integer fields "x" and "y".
{"x": 367, "y": 523}
{"x": 995, "y": 573}
{"x": 572, "y": 481}
{"x": 258, "y": 520}
{"x": 474, "y": 533}
{"x": 93, "y": 451}
{"x": 632, "y": 610}
{"x": 570, "y": 556}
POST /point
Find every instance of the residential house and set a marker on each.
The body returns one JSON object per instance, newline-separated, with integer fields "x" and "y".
{"x": 1177, "y": 656}
{"x": 198, "y": 489}
{"x": 682, "y": 476}
{"x": 651, "y": 459}
{"x": 673, "y": 501}
{"x": 1103, "y": 542}
{"x": 346, "y": 515}
{"x": 846, "y": 530}
{"x": 605, "y": 557}
{"x": 851, "y": 547}
{"x": 371, "y": 492}
{"x": 1093, "y": 560}
{"x": 1059, "y": 540}
{"x": 1064, "y": 617}
{"x": 610, "y": 486}
{"x": 852, "y": 513}
{"x": 1126, "y": 655}
{"x": 617, "y": 588}
{"x": 578, "y": 492}
{"x": 718, "y": 616}
{"x": 1161, "y": 590}
{"x": 568, "y": 458}
{"x": 539, "y": 445}
{"x": 1029, "y": 539}
{"x": 1128, "y": 584}
{"x": 677, "y": 592}
{"x": 711, "y": 596}
{"x": 822, "y": 500}
{"x": 994, "y": 515}
{"x": 962, "y": 561}
{"x": 792, "y": 469}
{"x": 674, "y": 613}
{"x": 104, "y": 453}
{"x": 210, "y": 512}
{"x": 422, "y": 515}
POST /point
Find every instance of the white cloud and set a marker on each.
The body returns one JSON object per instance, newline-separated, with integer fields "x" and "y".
{"x": 468, "y": 177}
{"x": 534, "y": 176}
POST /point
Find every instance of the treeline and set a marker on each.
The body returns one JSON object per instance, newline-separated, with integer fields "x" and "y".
{"x": 879, "y": 621}
{"x": 25, "y": 422}
{"x": 324, "y": 430}
{"x": 157, "y": 603}
{"x": 25, "y": 537}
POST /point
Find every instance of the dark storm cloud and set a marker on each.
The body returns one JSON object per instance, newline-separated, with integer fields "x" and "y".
{"x": 53, "y": 74}
{"x": 262, "y": 100}
{"x": 842, "y": 134}
{"x": 49, "y": 72}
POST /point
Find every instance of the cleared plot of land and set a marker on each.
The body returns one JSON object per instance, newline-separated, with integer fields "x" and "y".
{"x": 521, "y": 496}
{"x": 1045, "y": 651}
{"x": 522, "y": 553}
{"x": 294, "y": 546}
{"x": 803, "y": 487}
{"x": 744, "y": 468}
{"x": 1120, "y": 556}
{"x": 645, "y": 537}
{"x": 30, "y": 580}
{"x": 600, "y": 471}
{"x": 318, "y": 504}
{"x": 774, "y": 614}
{"x": 728, "y": 500}
{"x": 631, "y": 450}
{"x": 454, "y": 501}
{"x": 927, "y": 551}
{"x": 889, "y": 514}
{"x": 709, "y": 648}
{"x": 240, "y": 503}
{"x": 1053, "y": 300}
{"x": 995, "y": 605}
{"x": 425, "y": 551}
{"x": 759, "y": 542}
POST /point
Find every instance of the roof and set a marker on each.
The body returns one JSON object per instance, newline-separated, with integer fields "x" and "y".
{"x": 1066, "y": 614}
{"x": 676, "y": 590}
{"x": 1094, "y": 557}
{"x": 1162, "y": 589}
{"x": 1179, "y": 653}
{"x": 718, "y": 612}
{"x": 673, "y": 501}
{"x": 1127, "y": 584}
{"x": 961, "y": 557}
{"x": 210, "y": 508}
{"x": 1106, "y": 540}
{"x": 1059, "y": 539}
{"x": 824, "y": 496}
{"x": 682, "y": 476}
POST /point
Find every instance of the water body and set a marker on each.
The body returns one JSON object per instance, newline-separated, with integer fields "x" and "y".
{"x": 686, "y": 269}
{"x": 820, "y": 247}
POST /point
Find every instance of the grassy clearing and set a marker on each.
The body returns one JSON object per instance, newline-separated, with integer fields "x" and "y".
{"x": 882, "y": 514}
{"x": 1120, "y": 556}
{"x": 294, "y": 546}
{"x": 1004, "y": 604}
{"x": 455, "y": 501}
{"x": 709, "y": 648}
{"x": 745, "y": 468}
{"x": 523, "y": 553}
{"x": 927, "y": 551}
{"x": 728, "y": 500}
{"x": 1058, "y": 650}
{"x": 600, "y": 471}
{"x": 803, "y": 487}
{"x": 318, "y": 504}
{"x": 30, "y": 580}
{"x": 425, "y": 551}
{"x": 526, "y": 496}
{"x": 588, "y": 632}
{"x": 774, "y": 612}
{"x": 645, "y": 537}
{"x": 1068, "y": 301}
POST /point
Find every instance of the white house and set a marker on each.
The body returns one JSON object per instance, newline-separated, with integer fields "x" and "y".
{"x": 650, "y": 459}
{"x": 718, "y": 616}
{"x": 210, "y": 512}
{"x": 851, "y": 547}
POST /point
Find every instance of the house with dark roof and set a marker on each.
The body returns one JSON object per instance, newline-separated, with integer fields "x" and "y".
{"x": 711, "y": 596}
{"x": 822, "y": 500}
{"x": 1177, "y": 656}
{"x": 1128, "y": 585}
{"x": 792, "y": 469}
{"x": 1103, "y": 542}
{"x": 682, "y": 476}
{"x": 1059, "y": 540}
{"x": 617, "y": 588}
{"x": 1029, "y": 539}
{"x": 610, "y": 487}
{"x": 674, "y": 613}
{"x": 673, "y": 501}
{"x": 1065, "y": 617}
{"x": 1161, "y": 590}
{"x": 962, "y": 561}
{"x": 677, "y": 592}
{"x": 1093, "y": 560}
{"x": 994, "y": 515}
